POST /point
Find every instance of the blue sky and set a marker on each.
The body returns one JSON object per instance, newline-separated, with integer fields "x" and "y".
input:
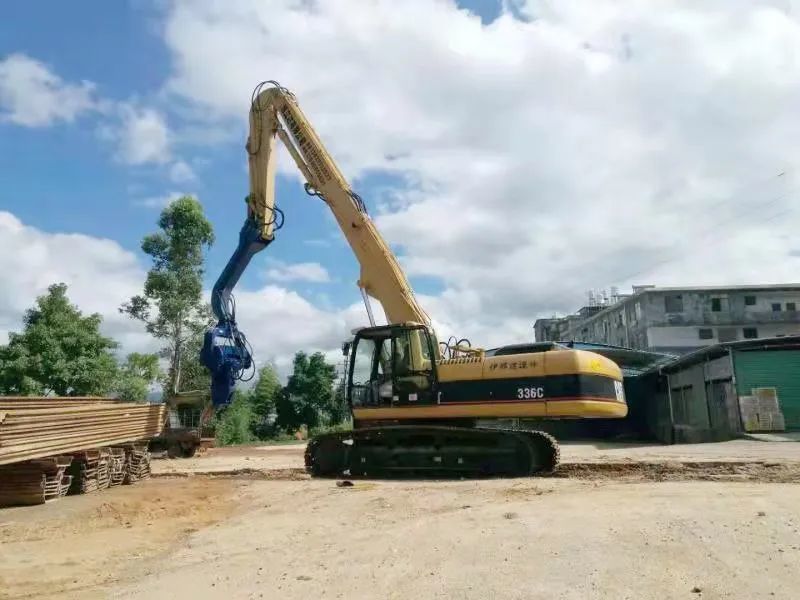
{"x": 514, "y": 154}
{"x": 66, "y": 178}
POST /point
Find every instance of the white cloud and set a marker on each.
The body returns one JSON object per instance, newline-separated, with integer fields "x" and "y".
{"x": 33, "y": 96}
{"x": 594, "y": 143}
{"x": 99, "y": 273}
{"x": 311, "y": 272}
{"x": 162, "y": 201}
{"x": 142, "y": 135}
{"x": 279, "y": 322}
{"x": 181, "y": 172}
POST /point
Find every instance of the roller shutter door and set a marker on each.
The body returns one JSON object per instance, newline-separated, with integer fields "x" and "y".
{"x": 772, "y": 368}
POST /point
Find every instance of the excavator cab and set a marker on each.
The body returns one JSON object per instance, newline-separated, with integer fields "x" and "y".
{"x": 391, "y": 365}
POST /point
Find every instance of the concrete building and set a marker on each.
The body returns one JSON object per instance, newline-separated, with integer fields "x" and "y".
{"x": 681, "y": 320}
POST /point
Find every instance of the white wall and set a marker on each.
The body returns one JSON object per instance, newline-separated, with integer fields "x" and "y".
{"x": 764, "y": 300}
{"x": 685, "y": 337}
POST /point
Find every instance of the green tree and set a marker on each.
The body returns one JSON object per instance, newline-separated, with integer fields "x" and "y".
{"x": 171, "y": 304}
{"x": 234, "y": 425}
{"x": 339, "y": 411}
{"x": 194, "y": 376}
{"x": 136, "y": 376}
{"x": 308, "y": 395}
{"x": 59, "y": 351}
{"x": 264, "y": 396}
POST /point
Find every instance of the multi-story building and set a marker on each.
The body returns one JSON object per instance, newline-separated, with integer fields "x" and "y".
{"x": 547, "y": 330}
{"x": 679, "y": 320}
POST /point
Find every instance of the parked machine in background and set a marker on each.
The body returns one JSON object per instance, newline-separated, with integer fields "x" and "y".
{"x": 418, "y": 405}
{"x": 187, "y": 429}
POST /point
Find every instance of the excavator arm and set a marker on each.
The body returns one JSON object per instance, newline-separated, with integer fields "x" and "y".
{"x": 275, "y": 114}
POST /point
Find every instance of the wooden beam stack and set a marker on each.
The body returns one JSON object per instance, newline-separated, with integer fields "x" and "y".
{"x": 35, "y": 481}
{"x": 118, "y": 466}
{"x": 52, "y": 446}
{"x": 84, "y": 470}
{"x": 138, "y": 458}
{"x": 33, "y": 428}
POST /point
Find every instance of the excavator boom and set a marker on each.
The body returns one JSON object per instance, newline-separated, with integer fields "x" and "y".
{"x": 275, "y": 114}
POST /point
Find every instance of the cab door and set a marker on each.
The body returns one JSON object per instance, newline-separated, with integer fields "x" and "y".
{"x": 362, "y": 374}
{"x": 413, "y": 368}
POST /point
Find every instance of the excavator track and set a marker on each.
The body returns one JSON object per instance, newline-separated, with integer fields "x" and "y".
{"x": 431, "y": 451}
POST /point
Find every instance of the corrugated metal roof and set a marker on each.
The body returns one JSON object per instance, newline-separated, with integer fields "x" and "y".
{"x": 632, "y": 362}
{"x": 717, "y": 350}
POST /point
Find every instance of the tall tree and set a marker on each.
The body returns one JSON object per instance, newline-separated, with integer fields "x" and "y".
{"x": 308, "y": 395}
{"x": 264, "y": 395}
{"x": 59, "y": 351}
{"x": 194, "y": 376}
{"x": 171, "y": 305}
{"x": 136, "y": 376}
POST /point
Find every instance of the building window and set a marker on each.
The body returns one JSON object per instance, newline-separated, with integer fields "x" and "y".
{"x": 705, "y": 333}
{"x": 776, "y": 307}
{"x": 791, "y": 306}
{"x": 749, "y": 300}
{"x": 638, "y": 310}
{"x": 727, "y": 334}
{"x": 719, "y": 304}
{"x": 673, "y": 303}
{"x": 750, "y": 333}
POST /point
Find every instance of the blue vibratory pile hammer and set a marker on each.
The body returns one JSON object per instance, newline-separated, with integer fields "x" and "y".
{"x": 226, "y": 352}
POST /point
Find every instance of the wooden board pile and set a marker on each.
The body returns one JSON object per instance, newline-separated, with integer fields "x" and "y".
{"x": 89, "y": 471}
{"x": 41, "y": 480}
{"x": 118, "y": 466}
{"x": 35, "y": 481}
{"x": 33, "y": 428}
{"x": 138, "y": 459}
{"x": 53, "y": 446}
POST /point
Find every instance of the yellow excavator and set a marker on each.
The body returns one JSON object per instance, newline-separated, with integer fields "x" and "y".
{"x": 418, "y": 406}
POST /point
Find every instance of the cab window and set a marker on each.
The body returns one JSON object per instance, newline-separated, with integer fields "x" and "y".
{"x": 362, "y": 362}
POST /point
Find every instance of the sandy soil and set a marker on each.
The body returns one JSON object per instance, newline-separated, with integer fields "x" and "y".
{"x": 77, "y": 543}
{"x": 630, "y": 526}
{"x": 218, "y": 461}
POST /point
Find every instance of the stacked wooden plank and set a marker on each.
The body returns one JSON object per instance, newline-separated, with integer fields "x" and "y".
{"x": 35, "y": 481}
{"x": 33, "y": 428}
{"x": 104, "y": 469}
{"x": 138, "y": 459}
{"x": 66, "y": 483}
{"x": 85, "y": 468}
{"x": 118, "y": 466}
{"x": 55, "y": 472}
{"x": 35, "y": 401}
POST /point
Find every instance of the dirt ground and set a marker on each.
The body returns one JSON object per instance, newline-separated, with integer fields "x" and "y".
{"x": 705, "y": 521}
{"x": 281, "y": 459}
